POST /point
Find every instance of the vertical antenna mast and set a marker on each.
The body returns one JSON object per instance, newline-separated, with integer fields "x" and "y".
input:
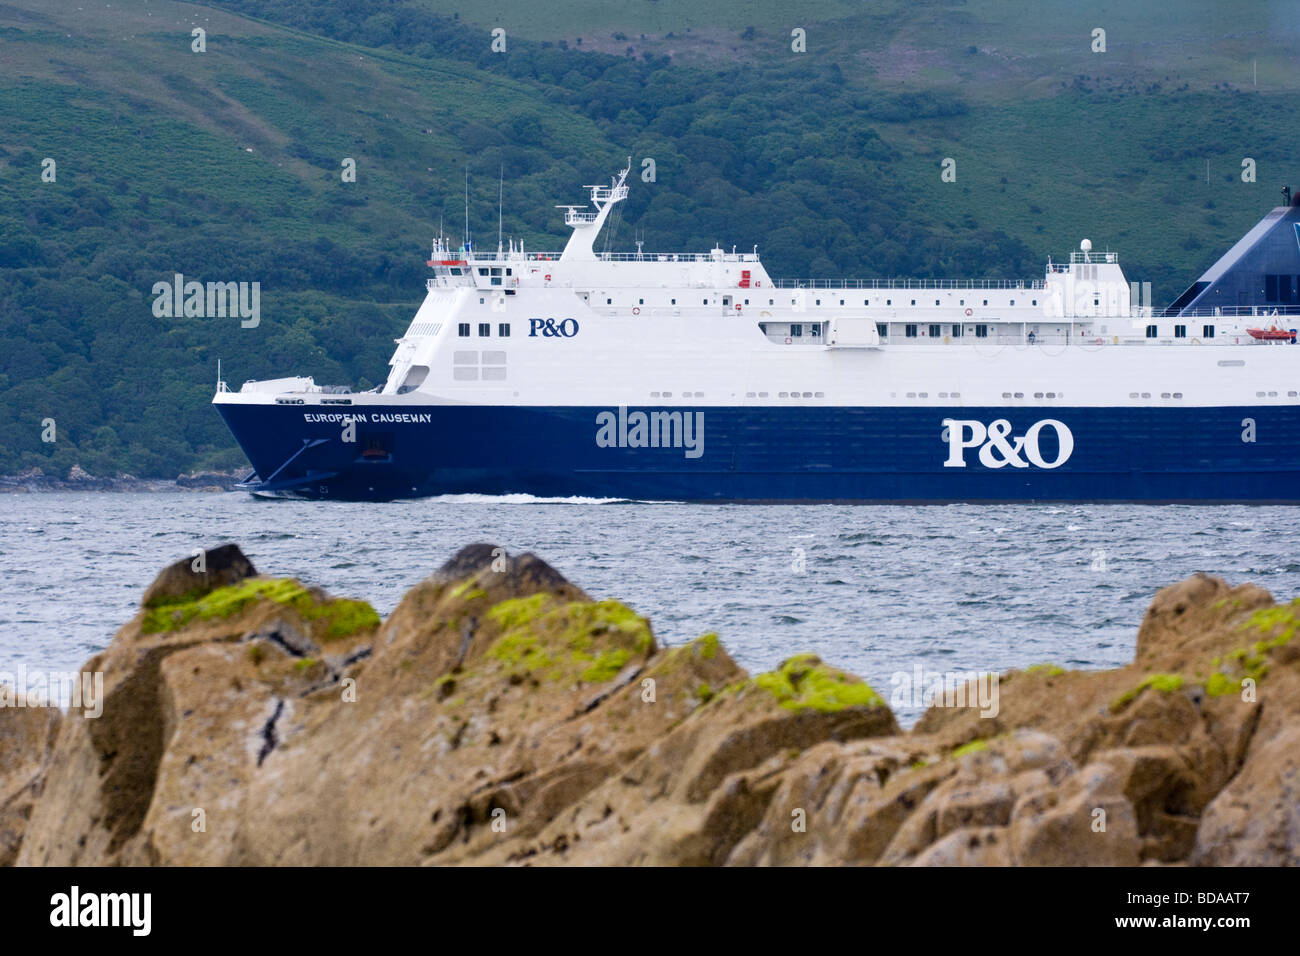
{"x": 467, "y": 207}
{"x": 501, "y": 179}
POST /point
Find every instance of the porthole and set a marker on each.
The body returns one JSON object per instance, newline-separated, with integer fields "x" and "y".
{"x": 1038, "y": 394}
{"x": 911, "y": 394}
{"x": 1132, "y": 394}
{"x": 1006, "y": 394}
{"x": 782, "y": 394}
{"x": 807, "y": 394}
{"x": 819, "y": 394}
{"x": 1164, "y": 394}
{"x": 1146, "y": 394}
{"x": 1020, "y": 394}
{"x": 1178, "y": 394}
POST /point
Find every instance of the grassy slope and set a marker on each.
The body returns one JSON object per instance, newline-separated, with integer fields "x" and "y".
{"x": 156, "y": 176}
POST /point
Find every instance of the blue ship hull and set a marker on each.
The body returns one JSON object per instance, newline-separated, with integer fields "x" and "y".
{"x": 766, "y": 454}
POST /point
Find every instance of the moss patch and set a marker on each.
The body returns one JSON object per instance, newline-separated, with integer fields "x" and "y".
{"x": 1047, "y": 670}
{"x": 587, "y": 641}
{"x": 804, "y": 682}
{"x": 333, "y": 617}
{"x": 1165, "y": 683}
{"x": 974, "y": 746}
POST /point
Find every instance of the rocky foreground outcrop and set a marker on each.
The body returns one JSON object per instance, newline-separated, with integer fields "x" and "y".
{"x": 500, "y": 715}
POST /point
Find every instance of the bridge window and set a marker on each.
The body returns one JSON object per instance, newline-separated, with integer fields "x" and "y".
{"x": 910, "y": 331}
{"x": 503, "y": 329}
{"x": 1180, "y": 331}
{"x": 463, "y": 330}
{"x": 1152, "y": 332}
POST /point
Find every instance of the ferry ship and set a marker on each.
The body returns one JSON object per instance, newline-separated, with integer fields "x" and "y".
{"x": 697, "y": 377}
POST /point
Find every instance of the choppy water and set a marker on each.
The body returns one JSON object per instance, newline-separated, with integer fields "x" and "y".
{"x": 875, "y": 590}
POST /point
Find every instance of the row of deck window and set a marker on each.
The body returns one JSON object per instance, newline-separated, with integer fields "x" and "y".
{"x": 484, "y": 329}
{"x": 1180, "y": 331}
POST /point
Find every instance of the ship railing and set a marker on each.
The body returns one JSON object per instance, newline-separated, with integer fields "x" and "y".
{"x": 1008, "y": 284}
{"x": 1093, "y": 258}
{"x": 483, "y": 257}
{"x": 1256, "y": 311}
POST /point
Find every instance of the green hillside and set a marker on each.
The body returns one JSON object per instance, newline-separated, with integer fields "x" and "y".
{"x": 225, "y": 166}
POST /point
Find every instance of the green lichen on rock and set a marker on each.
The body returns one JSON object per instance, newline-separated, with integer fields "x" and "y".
{"x": 1165, "y": 683}
{"x": 1046, "y": 670}
{"x": 705, "y": 646}
{"x": 335, "y": 617}
{"x": 973, "y": 746}
{"x": 466, "y": 593}
{"x": 605, "y": 665}
{"x": 804, "y": 682}
{"x": 1279, "y": 621}
{"x": 549, "y": 640}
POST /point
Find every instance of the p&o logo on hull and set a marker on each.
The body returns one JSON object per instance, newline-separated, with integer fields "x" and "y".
{"x": 999, "y": 448}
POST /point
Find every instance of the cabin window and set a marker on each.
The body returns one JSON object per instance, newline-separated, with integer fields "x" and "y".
{"x": 1035, "y": 302}
{"x": 889, "y": 302}
{"x": 882, "y": 329}
{"x": 819, "y": 301}
{"x": 913, "y": 302}
{"x": 1207, "y": 331}
{"x": 609, "y": 301}
{"x": 981, "y": 331}
{"x": 1013, "y": 301}
{"x": 674, "y": 301}
{"x": 934, "y": 331}
{"x": 796, "y": 331}
{"x": 936, "y": 301}
{"x": 485, "y": 328}
{"x": 463, "y": 330}
{"x": 910, "y": 331}
{"x": 503, "y": 329}
{"x": 1180, "y": 331}
{"x": 640, "y": 301}
{"x": 841, "y": 301}
{"x": 956, "y": 331}
{"x": 1152, "y": 332}
{"x": 961, "y": 301}
{"x": 986, "y": 301}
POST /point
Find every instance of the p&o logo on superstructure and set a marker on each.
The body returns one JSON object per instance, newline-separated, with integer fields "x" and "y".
{"x": 999, "y": 448}
{"x": 550, "y": 329}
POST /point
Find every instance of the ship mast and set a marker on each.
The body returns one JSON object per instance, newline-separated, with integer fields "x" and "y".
{"x": 587, "y": 225}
